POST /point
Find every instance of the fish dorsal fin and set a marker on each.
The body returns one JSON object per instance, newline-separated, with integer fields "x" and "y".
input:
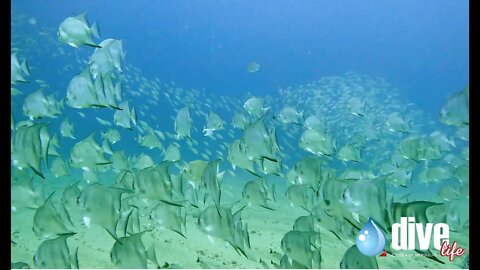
{"x": 237, "y": 216}
{"x": 74, "y": 259}
{"x": 95, "y": 30}
{"x": 82, "y": 17}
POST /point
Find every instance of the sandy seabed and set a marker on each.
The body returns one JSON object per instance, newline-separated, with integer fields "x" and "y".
{"x": 266, "y": 229}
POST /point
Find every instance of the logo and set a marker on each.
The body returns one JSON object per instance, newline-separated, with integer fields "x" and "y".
{"x": 371, "y": 240}
{"x": 405, "y": 234}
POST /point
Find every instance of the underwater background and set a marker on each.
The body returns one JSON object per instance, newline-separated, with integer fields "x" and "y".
{"x": 236, "y": 134}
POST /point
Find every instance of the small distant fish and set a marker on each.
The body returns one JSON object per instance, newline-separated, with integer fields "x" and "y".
{"x": 183, "y": 124}
{"x": 255, "y": 107}
{"x": 254, "y": 67}
{"x": 212, "y": 123}
{"x": 290, "y": 115}
{"x": 32, "y": 21}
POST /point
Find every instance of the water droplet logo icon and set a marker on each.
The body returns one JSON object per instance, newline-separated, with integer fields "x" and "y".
{"x": 371, "y": 239}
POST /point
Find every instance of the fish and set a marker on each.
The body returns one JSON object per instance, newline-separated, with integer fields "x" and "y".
{"x": 417, "y": 209}
{"x": 183, "y": 124}
{"x": 356, "y": 106}
{"x": 129, "y": 252}
{"x": 70, "y": 194}
{"x": 15, "y": 92}
{"x": 462, "y": 172}
{"x": 313, "y": 122}
{"x": 257, "y": 192}
{"x": 240, "y": 121}
{"x": 109, "y": 56}
{"x": 213, "y": 123}
{"x": 301, "y": 195}
{"x": 143, "y": 181}
{"x": 106, "y": 91}
{"x": 76, "y": 31}
{"x": 396, "y": 123}
{"x": 366, "y": 198}
{"x": 290, "y": 115}
{"x": 67, "y": 129}
{"x": 112, "y": 135}
{"x": 211, "y": 179}
{"x": 237, "y": 157}
{"x": 353, "y": 258}
{"x": 255, "y": 107}
{"x": 317, "y": 142}
{"x": 87, "y": 154}
{"x": 125, "y": 179}
{"x": 433, "y": 174}
{"x": 50, "y": 220}
{"x": 309, "y": 223}
{"x": 30, "y": 147}
{"x": 37, "y": 105}
{"x": 169, "y": 217}
{"x": 221, "y": 223}
{"x": 25, "y": 196}
{"x": 101, "y": 205}
{"x": 81, "y": 92}
{"x": 103, "y": 122}
{"x": 155, "y": 183}
{"x": 409, "y": 148}
{"x": 254, "y": 67}
{"x": 455, "y": 112}
{"x": 257, "y": 141}
{"x": 303, "y": 248}
{"x": 124, "y": 116}
{"x": 142, "y": 161}
{"x": 59, "y": 168}
{"x": 55, "y": 253}
{"x": 18, "y": 71}
{"x": 271, "y": 167}
{"x": 193, "y": 172}
{"x": 308, "y": 171}
{"x": 172, "y": 153}
{"x": 350, "y": 152}
{"x": 19, "y": 265}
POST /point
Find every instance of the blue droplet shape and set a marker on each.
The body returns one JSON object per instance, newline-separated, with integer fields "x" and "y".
{"x": 371, "y": 240}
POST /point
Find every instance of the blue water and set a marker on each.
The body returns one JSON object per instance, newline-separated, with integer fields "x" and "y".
{"x": 420, "y": 47}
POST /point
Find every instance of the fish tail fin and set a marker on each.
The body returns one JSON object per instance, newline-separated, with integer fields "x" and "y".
{"x": 95, "y": 30}
{"x": 133, "y": 116}
{"x": 25, "y": 67}
{"x": 274, "y": 192}
{"x": 220, "y": 176}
